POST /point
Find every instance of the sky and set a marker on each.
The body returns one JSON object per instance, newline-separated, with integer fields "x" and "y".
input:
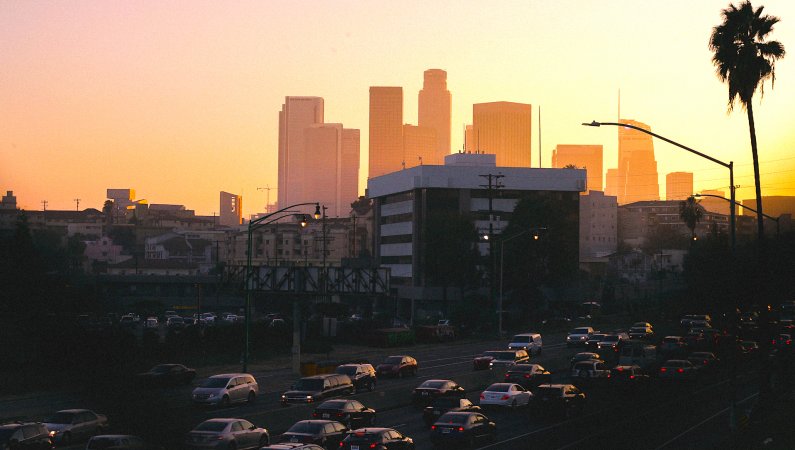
{"x": 179, "y": 99}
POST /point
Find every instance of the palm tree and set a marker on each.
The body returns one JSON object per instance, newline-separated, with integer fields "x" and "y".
{"x": 691, "y": 213}
{"x": 744, "y": 60}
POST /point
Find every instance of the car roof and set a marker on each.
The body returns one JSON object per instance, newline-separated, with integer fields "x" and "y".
{"x": 223, "y": 419}
{"x": 74, "y": 411}
{"x": 370, "y": 430}
{"x": 227, "y": 375}
{"x": 316, "y": 421}
{"x": 501, "y": 384}
{"x": 553, "y": 386}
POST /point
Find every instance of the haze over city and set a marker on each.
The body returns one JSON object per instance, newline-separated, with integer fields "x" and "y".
{"x": 180, "y": 100}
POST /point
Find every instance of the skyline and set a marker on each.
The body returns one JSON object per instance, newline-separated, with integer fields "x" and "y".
{"x": 181, "y": 103}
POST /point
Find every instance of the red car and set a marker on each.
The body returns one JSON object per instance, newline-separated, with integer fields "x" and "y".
{"x": 481, "y": 362}
{"x": 397, "y": 366}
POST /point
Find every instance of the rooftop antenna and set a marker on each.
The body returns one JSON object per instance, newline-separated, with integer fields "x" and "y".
{"x": 420, "y": 158}
{"x": 464, "y": 147}
{"x": 539, "y": 136}
{"x": 619, "y": 105}
{"x": 403, "y": 163}
{"x": 77, "y": 204}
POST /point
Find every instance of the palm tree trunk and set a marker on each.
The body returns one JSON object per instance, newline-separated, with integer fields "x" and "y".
{"x": 760, "y": 221}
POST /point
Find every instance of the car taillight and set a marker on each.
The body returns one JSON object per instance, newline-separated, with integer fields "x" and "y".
{"x": 680, "y": 370}
{"x": 314, "y": 414}
{"x": 527, "y": 375}
{"x": 505, "y": 397}
{"x": 620, "y": 369}
{"x": 460, "y": 428}
{"x": 507, "y": 375}
{"x": 433, "y": 427}
{"x": 482, "y": 396}
{"x": 705, "y": 362}
{"x": 373, "y": 444}
{"x": 789, "y": 341}
{"x": 773, "y": 342}
{"x": 342, "y": 444}
{"x": 663, "y": 369}
{"x": 632, "y": 377}
{"x": 339, "y": 414}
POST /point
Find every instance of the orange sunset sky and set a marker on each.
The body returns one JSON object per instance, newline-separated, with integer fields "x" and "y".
{"x": 179, "y": 99}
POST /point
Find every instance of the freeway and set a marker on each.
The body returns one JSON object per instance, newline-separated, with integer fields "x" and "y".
{"x": 665, "y": 418}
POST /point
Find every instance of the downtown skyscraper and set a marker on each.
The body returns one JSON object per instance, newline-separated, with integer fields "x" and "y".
{"x": 503, "y": 129}
{"x": 435, "y": 110}
{"x": 386, "y": 130}
{"x": 636, "y": 178}
{"x": 588, "y": 157}
{"x": 318, "y": 162}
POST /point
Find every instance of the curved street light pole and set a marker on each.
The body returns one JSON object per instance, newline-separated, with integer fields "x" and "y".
{"x": 729, "y": 165}
{"x": 252, "y": 225}
{"x": 778, "y": 230}
{"x": 502, "y": 252}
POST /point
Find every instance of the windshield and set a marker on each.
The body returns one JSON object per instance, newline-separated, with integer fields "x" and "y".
{"x": 213, "y": 426}
{"x": 521, "y": 368}
{"x": 215, "y": 382}
{"x": 611, "y": 339}
{"x": 499, "y": 387}
{"x": 597, "y": 337}
{"x": 306, "y": 427}
{"x": 309, "y": 384}
{"x": 333, "y": 404}
{"x": 446, "y": 403}
{"x": 102, "y": 443}
{"x": 454, "y": 418}
{"x": 548, "y": 392}
{"x": 163, "y": 368}
{"x": 670, "y": 340}
{"x": 60, "y": 417}
{"x": 521, "y": 338}
{"x": 433, "y": 384}
{"x": 580, "y": 331}
{"x": 501, "y": 355}
{"x": 347, "y": 370}
{"x": 393, "y": 360}
{"x": 6, "y": 433}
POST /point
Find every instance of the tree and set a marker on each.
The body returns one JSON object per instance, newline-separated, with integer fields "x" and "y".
{"x": 691, "y": 213}
{"x": 744, "y": 60}
{"x": 570, "y": 166}
{"x": 450, "y": 254}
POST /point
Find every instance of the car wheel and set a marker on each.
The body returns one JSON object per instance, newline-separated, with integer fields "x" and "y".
{"x": 584, "y": 374}
{"x": 372, "y": 420}
{"x": 264, "y": 440}
{"x": 370, "y": 386}
{"x": 232, "y": 445}
{"x": 400, "y": 374}
{"x": 513, "y": 404}
{"x": 252, "y": 397}
{"x": 66, "y": 440}
{"x": 471, "y": 442}
{"x": 352, "y": 390}
{"x": 225, "y": 401}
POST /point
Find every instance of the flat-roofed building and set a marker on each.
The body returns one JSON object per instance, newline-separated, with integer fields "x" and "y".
{"x": 503, "y": 129}
{"x": 588, "y": 157}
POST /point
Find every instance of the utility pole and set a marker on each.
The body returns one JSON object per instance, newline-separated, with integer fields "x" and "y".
{"x": 493, "y": 183}
{"x": 44, "y": 205}
{"x": 77, "y": 204}
{"x": 354, "y": 236}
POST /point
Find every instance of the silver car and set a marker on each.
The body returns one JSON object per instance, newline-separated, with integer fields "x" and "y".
{"x": 72, "y": 425}
{"x": 225, "y": 433}
{"x": 227, "y": 388}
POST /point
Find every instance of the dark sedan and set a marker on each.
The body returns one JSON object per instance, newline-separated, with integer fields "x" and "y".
{"x": 462, "y": 429}
{"x": 482, "y": 361}
{"x": 431, "y": 389}
{"x": 443, "y": 405}
{"x": 378, "y": 439}
{"x": 350, "y": 412}
{"x": 397, "y": 366}
{"x": 527, "y": 375}
{"x": 563, "y": 399}
{"x": 326, "y": 433}
{"x": 167, "y": 375}
{"x": 629, "y": 377}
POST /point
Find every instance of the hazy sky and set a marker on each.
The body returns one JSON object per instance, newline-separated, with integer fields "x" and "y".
{"x": 179, "y": 99}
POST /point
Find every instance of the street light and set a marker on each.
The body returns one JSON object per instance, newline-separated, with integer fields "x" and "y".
{"x": 743, "y": 206}
{"x": 535, "y": 231}
{"x": 252, "y": 225}
{"x": 729, "y": 165}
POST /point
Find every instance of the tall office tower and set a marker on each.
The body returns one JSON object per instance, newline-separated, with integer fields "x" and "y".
{"x": 503, "y": 129}
{"x": 469, "y": 140}
{"x": 334, "y": 159}
{"x": 678, "y": 185}
{"x": 435, "y": 109}
{"x": 297, "y": 114}
{"x": 419, "y": 146}
{"x": 386, "y": 130}
{"x": 637, "y": 169}
{"x": 611, "y": 182}
{"x": 716, "y": 205}
{"x": 231, "y": 209}
{"x": 588, "y": 157}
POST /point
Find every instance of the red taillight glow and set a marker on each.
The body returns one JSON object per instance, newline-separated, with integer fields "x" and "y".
{"x": 663, "y": 369}
{"x": 505, "y": 397}
{"x": 620, "y": 369}
{"x": 789, "y": 341}
{"x": 527, "y": 375}
{"x": 373, "y": 444}
{"x": 706, "y": 362}
{"x": 482, "y": 396}
{"x": 339, "y": 414}
{"x": 460, "y": 428}
{"x": 507, "y": 375}
{"x": 433, "y": 427}
{"x": 680, "y": 370}
{"x": 314, "y": 414}
{"x": 632, "y": 377}
{"x": 342, "y": 444}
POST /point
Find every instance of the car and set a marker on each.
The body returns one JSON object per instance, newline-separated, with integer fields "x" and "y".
{"x": 482, "y": 361}
{"x": 530, "y": 342}
{"x": 430, "y": 389}
{"x": 505, "y": 394}
{"x": 441, "y": 405}
{"x": 783, "y": 342}
{"x": 589, "y": 370}
{"x": 612, "y": 342}
{"x": 362, "y": 375}
{"x": 562, "y": 399}
{"x": 583, "y": 356}
{"x": 128, "y": 320}
{"x": 636, "y": 332}
{"x": 151, "y": 323}
{"x": 579, "y": 336}
{"x": 628, "y": 376}
{"x": 167, "y": 375}
{"x": 397, "y": 366}
{"x": 527, "y": 375}
{"x": 292, "y": 446}
{"x": 672, "y": 345}
{"x": 227, "y": 433}
{"x": 74, "y": 425}
{"x": 462, "y": 430}
{"x": 116, "y": 441}
{"x": 325, "y": 433}
{"x": 695, "y": 339}
{"x": 507, "y": 358}
{"x": 175, "y": 323}
{"x": 638, "y": 353}
{"x": 25, "y": 435}
{"x": 704, "y": 361}
{"x": 227, "y": 388}
{"x": 749, "y": 348}
{"x": 642, "y": 324}
{"x": 377, "y": 439}
{"x": 350, "y": 412}
{"x": 318, "y": 387}
{"x": 592, "y": 344}
{"x": 677, "y": 370}
{"x": 208, "y": 318}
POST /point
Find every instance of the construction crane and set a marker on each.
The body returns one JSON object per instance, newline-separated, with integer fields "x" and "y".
{"x": 267, "y": 188}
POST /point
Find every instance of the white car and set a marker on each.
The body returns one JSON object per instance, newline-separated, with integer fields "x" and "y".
{"x": 151, "y": 322}
{"x": 505, "y": 394}
{"x": 579, "y": 336}
{"x": 227, "y": 388}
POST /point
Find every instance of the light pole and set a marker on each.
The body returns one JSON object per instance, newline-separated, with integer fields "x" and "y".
{"x": 535, "y": 231}
{"x": 778, "y": 230}
{"x": 729, "y": 165}
{"x": 252, "y": 225}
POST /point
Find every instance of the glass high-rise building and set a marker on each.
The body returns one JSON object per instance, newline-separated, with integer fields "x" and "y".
{"x": 419, "y": 146}
{"x": 386, "y": 130}
{"x": 297, "y": 114}
{"x": 435, "y": 110}
{"x": 503, "y": 129}
{"x": 678, "y": 185}
{"x": 637, "y": 168}
{"x": 588, "y": 157}
{"x": 335, "y": 164}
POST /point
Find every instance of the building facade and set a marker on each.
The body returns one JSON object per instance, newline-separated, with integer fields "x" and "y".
{"x": 435, "y": 111}
{"x": 503, "y": 129}
{"x": 334, "y": 166}
{"x": 419, "y": 146}
{"x": 231, "y": 209}
{"x": 297, "y": 114}
{"x": 588, "y": 157}
{"x": 386, "y": 130}
{"x": 598, "y": 225}
{"x": 637, "y": 178}
{"x": 678, "y": 185}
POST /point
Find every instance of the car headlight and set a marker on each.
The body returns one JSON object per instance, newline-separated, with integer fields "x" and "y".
{"x": 211, "y": 396}
{"x": 284, "y": 397}
{"x": 53, "y": 433}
